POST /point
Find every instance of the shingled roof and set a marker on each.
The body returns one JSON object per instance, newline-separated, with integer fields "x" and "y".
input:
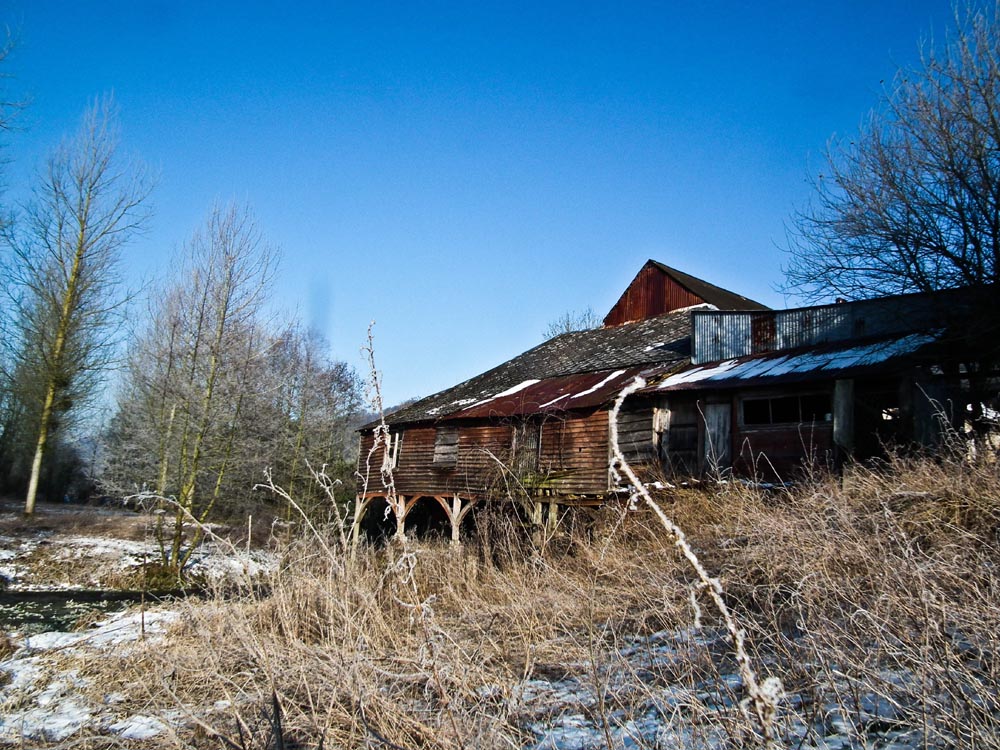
{"x": 712, "y": 294}
{"x": 540, "y": 379}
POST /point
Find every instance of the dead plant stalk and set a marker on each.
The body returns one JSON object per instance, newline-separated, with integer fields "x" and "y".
{"x": 762, "y": 697}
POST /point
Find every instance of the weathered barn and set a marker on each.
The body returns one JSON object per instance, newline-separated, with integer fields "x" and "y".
{"x": 540, "y": 420}
{"x": 776, "y": 389}
{"x": 732, "y": 387}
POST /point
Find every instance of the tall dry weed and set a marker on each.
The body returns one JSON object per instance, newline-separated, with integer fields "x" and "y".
{"x": 878, "y": 592}
{"x": 873, "y": 594}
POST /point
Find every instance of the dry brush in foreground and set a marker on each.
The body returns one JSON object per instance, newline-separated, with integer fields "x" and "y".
{"x": 872, "y": 596}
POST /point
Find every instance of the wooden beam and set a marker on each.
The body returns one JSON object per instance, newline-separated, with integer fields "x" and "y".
{"x": 843, "y": 416}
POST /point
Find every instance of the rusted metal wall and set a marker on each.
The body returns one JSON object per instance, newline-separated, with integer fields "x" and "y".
{"x": 720, "y": 335}
{"x": 651, "y": 293}
{"x": 765, "y": 452}
{"x": 572, "y": 458}
{"x": 783, "y": 450}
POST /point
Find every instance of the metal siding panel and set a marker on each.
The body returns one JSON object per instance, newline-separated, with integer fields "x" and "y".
{"x": 721, "y": 335}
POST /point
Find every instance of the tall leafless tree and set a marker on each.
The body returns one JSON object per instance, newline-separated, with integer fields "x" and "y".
{"x": 66, "y": 250}
{"x": 215, "y": 392}
{"x": 912, "y": 203}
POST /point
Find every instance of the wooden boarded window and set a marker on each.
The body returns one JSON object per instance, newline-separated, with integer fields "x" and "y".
{"x": 636, "y": 433}
{"x": 446, "y": 447}
{"x": 526, "y": 444}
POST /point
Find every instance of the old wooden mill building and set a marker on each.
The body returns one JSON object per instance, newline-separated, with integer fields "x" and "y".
{"x": 732, "y": 388}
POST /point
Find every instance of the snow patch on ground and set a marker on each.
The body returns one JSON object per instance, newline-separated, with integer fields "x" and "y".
{"x": 212, "y": 563}
{"x": 633, "y": 698}
{"x": 138, "y": 727}
{"x": 43, "y": 701}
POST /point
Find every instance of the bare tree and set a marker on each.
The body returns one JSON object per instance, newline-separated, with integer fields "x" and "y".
{"x": 315, "y": 419}
{"x": 214, "y": 395}
{"x": 66, "y": 249}
{"x": 571, "y": 321}
{"x": 912, "y": 203}
{"x": 215, "y": 336}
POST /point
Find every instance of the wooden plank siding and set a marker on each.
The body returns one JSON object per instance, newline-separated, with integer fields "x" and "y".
{"x": 651, "y": 293}
{"x": 635, "y": 433}
{"x": 574, "y": 453}
{"x": 679, "y": 446}
{"x": 781, "y": 452}
{"x": 473, "y": 472}
{"x": 572, "y": 458}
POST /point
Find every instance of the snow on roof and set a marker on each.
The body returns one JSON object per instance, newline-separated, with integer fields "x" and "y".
{"x": 803, "y": 362}
{"x": 509, "y": 392}
{"x": 556, "y": 400}
{"x": 556, "y": 369}
{"x": 598, "y": 386}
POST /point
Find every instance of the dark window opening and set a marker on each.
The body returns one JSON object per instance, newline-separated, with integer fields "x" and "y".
{"x": 785, "y": 410}
{"x": 812, "y": 407}
{"x": 757, "y": 411}
{"x": 816, "y": 407}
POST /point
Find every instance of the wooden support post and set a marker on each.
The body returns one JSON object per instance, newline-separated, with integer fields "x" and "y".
{"x": 552, "y": 519}
{"x": 360, "y": 508}
{"x": 843, "y": 418}
{"x": 456, "y": 518}
{"x": 536, "y": 523}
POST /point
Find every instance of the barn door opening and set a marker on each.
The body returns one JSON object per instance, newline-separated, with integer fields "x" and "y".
{"x": 718, "y": 456}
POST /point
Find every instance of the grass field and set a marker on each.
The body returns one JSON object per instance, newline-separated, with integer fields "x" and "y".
{"x": 873, "y": 597}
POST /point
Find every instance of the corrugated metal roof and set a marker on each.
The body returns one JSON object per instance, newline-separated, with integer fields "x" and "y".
{"x": 779, "y": 367}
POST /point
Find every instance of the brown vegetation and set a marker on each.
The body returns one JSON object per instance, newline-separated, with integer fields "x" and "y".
{"x": 872, "y": 596}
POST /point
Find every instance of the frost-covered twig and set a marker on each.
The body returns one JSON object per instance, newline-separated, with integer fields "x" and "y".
{"x": 381, "y": 437}
{"x": 762, "y": 697}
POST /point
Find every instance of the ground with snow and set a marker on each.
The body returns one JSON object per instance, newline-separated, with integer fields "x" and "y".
{"x": 67, "y": 547}
{"x": 628, "y": 697}
{"x": 45, "y": 695}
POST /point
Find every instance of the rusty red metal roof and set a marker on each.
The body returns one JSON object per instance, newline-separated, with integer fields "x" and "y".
{"x": 582, "y": 391}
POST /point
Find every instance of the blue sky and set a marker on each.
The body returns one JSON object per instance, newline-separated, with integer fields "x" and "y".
{"x": 465, "y": 173}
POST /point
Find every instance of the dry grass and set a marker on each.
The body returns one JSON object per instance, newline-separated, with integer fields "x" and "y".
{"x": 419, "y": 646}
{"x": 71, "y": 520}
{"x": 881, "y": 587}
{"x": 873, "y": 596}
